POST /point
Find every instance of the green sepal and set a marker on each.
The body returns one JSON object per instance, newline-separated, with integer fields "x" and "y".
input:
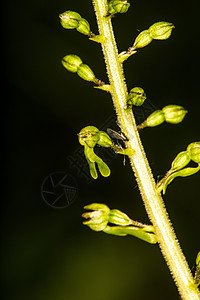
{"x": 104, "y": 87}
{"x": 161, "y": 30}
{"x": 131, "y": 230}
{"x": 98, "y": 39}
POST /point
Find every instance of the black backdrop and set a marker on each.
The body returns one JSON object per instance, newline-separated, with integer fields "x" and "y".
{"x": 47, "y": 253}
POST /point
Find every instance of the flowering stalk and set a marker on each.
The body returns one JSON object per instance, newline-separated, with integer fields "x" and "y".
{"x": 152, "y": 199}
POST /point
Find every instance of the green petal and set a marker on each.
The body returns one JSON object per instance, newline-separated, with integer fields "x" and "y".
{"x": 89, "y": 154}
{"x": 103, "y": 168}
{"x": 93, "y": 171}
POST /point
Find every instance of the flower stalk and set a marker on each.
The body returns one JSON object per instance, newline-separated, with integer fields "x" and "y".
{"x": 152, "y": 199}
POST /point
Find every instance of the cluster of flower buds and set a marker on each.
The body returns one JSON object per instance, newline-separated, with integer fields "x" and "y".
{"x": 136, "y": 97}
{"x": 157, "y": 31}
{"x": 91, "y": 136}
{"x": 173, "y": 114}
{"x": 178, "y": 165}
{"x": 117, "y": 6}
{"x": 101, "y": 215}
{"x": 72, "y": 20}
{"x": 74, "y": 64}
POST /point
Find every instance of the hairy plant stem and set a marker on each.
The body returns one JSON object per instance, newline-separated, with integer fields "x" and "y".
{"x": 152, "y": 199}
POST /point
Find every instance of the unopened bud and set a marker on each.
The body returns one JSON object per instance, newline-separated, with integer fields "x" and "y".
{"x": 119, "y": 218}
{"x": 142, "y": 40}
{"x": 194, "y": 152}
{"x": 84, "y": 27}
{"x": 70, "y": 19}
{"x": 174, "y": 114}
{"x": 86, "y": 73}
{"x": 89, "y": 135}
{"x": 71, "y": 62}
{"x": 161, "y": 30}
{"x": 156, "y": 118}
{"x": 181, "y": 160}
{"x": 136, "y": 97}
{"x": 118, "y": 6}
{"x": 98, "y": 218}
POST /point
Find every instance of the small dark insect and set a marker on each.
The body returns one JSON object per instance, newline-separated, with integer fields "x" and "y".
{"x": 119, "y": 137}
{"x": 115, "y": 135}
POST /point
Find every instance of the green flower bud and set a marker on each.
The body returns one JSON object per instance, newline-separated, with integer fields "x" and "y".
{"x": 156, "y": 118}
{"x": 119, "y": 218}
{"x": 181, "y": 160}
{"x": 84, "y": 27}
{"x": 89, "y": 136}
{"x": 98, "y": 218}
{"x": 161, "y": 30}
{"x": 194, "y": 152}
{"x": 142, "y": 40}
{"x": 105, "y": 140}
{"x": 70, "y": 19}
{"x": 174, "y": 114}
{"x": 136, "y": 97}
{"x": 118, "y": 6}
{"x": 86, "y": 73}
{"x": 71, "y": 62}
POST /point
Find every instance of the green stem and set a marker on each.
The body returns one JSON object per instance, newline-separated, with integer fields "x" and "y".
{"x": 152, "y": 199}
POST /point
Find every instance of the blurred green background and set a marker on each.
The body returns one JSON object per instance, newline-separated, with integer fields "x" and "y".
{"x": 47, "y": 253}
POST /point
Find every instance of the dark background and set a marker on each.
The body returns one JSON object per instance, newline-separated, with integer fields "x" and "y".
{"x": 47, "y": 253}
